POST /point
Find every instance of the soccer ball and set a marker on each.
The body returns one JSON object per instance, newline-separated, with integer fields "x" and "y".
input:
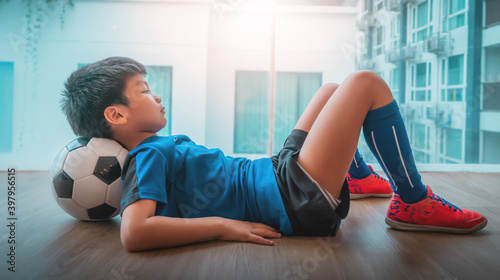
{"x": 86, "y": 179}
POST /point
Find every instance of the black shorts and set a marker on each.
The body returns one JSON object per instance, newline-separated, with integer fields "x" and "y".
{"x": 308, "y": 209}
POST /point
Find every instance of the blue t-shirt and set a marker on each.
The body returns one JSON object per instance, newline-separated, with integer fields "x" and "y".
{"x": 190, "y": 181}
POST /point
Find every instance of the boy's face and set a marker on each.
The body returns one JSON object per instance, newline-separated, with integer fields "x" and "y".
{"x": 144, "y": 112}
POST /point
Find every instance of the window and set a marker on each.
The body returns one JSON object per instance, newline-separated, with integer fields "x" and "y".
{"x": 451, "y": 149}
{"x": 491, "y": 85}
{"x": 492, "y": 15}
{"x": 420, "y": 134}
{"x": 292, "y": 95}
{"x": 378, "y": 5}
{"x": 395, "y": 31}
{"x": 421, "y": 82}
{"x": 6, "y": 105}
{"x": 491, "y": 148}
{"x": 454, "y": 89}
{"x": 379, "y": 40}
{"x": 456, "y": 14}
{"x": 443, "y": 71}
{"x": 422, "y": 21}
{"x": 491, "y": 96}
{"x": 394, "y": 83}
{"x": 367, "y": 4}
{"x": 492, "y": 67}
{"x": 293, "y": 91}
{"x": 251, "y": 124}
{"x": 160, "y": 83}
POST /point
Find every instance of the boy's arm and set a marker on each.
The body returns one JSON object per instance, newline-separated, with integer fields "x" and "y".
{"x": 141, "y": 230}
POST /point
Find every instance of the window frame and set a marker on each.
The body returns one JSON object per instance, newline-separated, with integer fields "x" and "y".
{"x": 428, "y": 83}
{"x": 445, "y": 87}
{"x": 395, "y": 33}
{"x": 151, "y": 69}
{"x": 428, "y": 27}
{"x": 443, "y": 158}
{"x": 8, "y": 115}
{"x": 394, "y": 82}
{"x": 488, "y": 11}
{"x": 379, "y": 47}
{"x": 426, "y": 149}
{"x": 263, "y": 137}
{"x": 378, "y": 5}
{"x": 450, "y": 15}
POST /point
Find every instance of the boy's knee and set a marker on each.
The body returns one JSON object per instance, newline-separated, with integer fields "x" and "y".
{"x": 331, "y": 87}
{"x": 365, "y": 76}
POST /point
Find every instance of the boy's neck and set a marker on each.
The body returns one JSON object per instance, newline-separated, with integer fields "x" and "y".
{"x": 130, "y": 141}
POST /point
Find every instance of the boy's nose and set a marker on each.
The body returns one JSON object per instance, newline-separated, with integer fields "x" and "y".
{"x": 158, "y": 98}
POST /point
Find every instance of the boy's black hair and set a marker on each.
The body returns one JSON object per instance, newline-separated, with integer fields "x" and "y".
{"x": 91, "y": 89}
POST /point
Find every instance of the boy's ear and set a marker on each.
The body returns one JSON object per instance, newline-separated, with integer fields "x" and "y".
{"x": 115, "y": 114}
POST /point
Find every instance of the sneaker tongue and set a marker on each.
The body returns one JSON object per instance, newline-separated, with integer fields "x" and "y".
{"x": 429, "y": 191}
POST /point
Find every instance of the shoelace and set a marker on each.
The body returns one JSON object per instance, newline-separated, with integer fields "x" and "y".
{"x": 379, "y": 177}
{"x": 444, "y": 202}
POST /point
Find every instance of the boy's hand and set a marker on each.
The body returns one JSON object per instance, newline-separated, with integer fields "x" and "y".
{"x": 234, "y": 230}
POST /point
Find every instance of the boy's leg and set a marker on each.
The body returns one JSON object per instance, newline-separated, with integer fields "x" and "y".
{"x": 364, "y": 99}
{"x": 315, "y": 106}
{"x": 359, "y": 169}
{"x": 331, "y": 143}
{"x": 362, "y": 180}
{"x": 414, "y": 206}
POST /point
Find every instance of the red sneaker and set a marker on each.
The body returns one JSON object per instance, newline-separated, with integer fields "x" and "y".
{"x": 371, "y": 186}
{"x": 432, "y": 214}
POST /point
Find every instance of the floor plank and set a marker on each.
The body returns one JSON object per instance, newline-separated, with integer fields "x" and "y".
{"x": 52, "y": 245}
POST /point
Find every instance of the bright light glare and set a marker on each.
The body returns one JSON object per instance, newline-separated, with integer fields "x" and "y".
{"x": 257, "y": 4}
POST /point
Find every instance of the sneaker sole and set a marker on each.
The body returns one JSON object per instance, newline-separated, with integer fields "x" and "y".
{"x": 412, "y": 227}
{"x": 366, "y": 195}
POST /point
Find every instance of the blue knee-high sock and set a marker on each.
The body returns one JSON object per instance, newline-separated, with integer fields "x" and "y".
{"x": 385, "y": 134}
{"x": 358, "y": 168}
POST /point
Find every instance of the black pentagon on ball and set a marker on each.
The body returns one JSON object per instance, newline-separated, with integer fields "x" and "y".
{"x": 77, "y": 143}
{"x": 63, "y": 185}
{"x": 103, "y": 211}
{"x": 107, "y": 169}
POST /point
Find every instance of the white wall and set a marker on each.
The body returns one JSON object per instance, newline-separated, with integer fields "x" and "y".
{"x": 153, "y": 33}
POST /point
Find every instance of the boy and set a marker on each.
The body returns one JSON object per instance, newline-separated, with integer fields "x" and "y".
{"x": 177, "y": 192}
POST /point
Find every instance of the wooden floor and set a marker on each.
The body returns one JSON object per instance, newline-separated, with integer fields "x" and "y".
{"x": 52, "y": 245}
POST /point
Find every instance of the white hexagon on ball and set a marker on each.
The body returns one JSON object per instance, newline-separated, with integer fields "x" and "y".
{"x": 80, "y": 163}
{"x": 73, "y": 208}
{"x": 89, "y": 191}
{"x": 104, "y": 147}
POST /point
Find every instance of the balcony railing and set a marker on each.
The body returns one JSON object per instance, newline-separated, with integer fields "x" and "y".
{"x": 413, "y": 2}
{"x": 393, "y": 5}
{"x": 435, "y": 113}
{"x": 438, "y": 43}
{"x": 409, "y": 52}
{"x": 366, "y": 21}
{"x": 440, "y": 113}
{"x": 396, "y": 5}
{"x": 491, "y": 96}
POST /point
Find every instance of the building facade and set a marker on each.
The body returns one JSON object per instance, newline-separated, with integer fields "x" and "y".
{"x": 442, "y": 62}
